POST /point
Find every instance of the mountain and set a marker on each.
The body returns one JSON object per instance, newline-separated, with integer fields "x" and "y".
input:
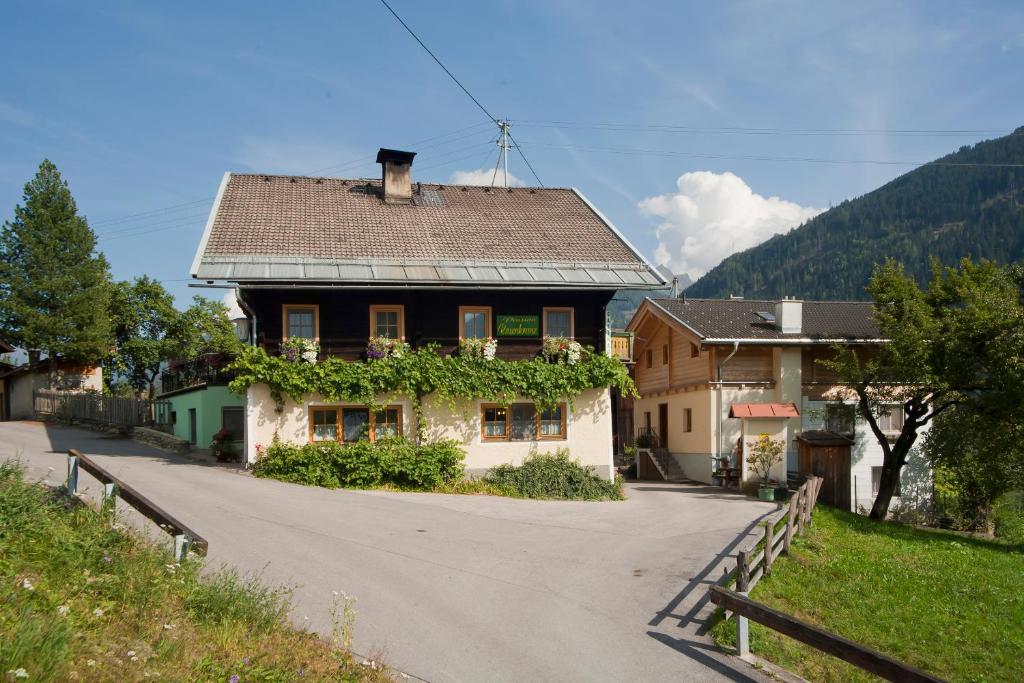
{"x": 968, "y": 203}
{"x": 625, "y": 302}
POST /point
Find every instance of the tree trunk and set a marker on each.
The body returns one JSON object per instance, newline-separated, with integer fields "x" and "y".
{"x": 891, "y": 468}
{"x": 53, "y": 371}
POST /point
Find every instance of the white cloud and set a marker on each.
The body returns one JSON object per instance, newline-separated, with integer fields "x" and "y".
{"x": 229, "y": 300}
{"x": 483, "y": 176}
{"x": 712, "y": 215}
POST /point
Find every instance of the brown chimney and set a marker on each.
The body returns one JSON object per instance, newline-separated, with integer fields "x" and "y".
{"x": 396, "y": 175}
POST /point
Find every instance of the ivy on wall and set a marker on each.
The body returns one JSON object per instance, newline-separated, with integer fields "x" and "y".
{"x": 424, "y": 371}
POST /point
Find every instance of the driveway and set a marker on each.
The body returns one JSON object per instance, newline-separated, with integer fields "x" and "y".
{"x": 457, "y": 588}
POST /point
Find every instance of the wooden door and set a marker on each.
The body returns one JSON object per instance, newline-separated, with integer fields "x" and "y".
{"x": 192, "y": 436}
{"x": 663, "y": 425}
{"x": 832, "y": 463}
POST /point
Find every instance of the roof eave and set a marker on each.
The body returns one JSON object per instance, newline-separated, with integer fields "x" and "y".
{"x": 209, "y": 224}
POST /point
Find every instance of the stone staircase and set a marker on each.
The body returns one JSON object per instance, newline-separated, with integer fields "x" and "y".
{"x": 666, "y": 465}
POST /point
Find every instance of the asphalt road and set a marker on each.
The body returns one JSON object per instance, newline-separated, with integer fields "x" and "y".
{"x": 456, "y": 588}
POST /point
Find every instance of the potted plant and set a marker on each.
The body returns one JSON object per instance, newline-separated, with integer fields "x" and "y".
{"x": 298, "y": 350}
{"x": 479, "y": 348}
{"x": 385, "y": 347}
{"x": 563, "y": 349}
{"x": 223, "y": 446}
{"x": 764, "y": 455}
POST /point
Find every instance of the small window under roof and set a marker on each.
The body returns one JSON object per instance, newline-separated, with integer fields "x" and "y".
{"x": 766, "y": 316}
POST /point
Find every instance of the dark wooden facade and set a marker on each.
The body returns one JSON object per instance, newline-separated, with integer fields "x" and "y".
{"x": 430, "y": 315}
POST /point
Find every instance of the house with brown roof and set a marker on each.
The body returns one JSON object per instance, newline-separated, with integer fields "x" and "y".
{"x": 341, "y": 261}
{"x": 715, "y": 374}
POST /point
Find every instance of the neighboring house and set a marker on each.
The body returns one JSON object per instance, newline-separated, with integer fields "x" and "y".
{"x": 200, "y": 402}
{"x": 714, "y": 374}
{"x": 339, "y": 261}
{"x": 17, "y": 384}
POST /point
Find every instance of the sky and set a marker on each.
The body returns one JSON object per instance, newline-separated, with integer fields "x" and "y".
{"x": 699, "y": 129}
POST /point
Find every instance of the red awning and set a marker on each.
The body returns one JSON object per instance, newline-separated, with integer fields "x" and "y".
{"x": 765, "y": 410}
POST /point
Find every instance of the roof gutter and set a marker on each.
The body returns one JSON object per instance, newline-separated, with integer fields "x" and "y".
{"x": 794, "y": 342}
{"x": 232, "y": 284}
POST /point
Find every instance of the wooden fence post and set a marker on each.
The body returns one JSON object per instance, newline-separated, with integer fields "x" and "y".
{"x": 72, "y": 482}
{"x": 801, "y": 507}
{"x": 769, "y": 538}
{"x": 742, "y": 571}
{"x": 794, "y": 501}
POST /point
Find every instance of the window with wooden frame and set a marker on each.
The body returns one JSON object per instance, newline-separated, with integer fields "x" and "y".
{"x": 664, "y": 354}
{"x": 694, "y": 350}
{"x": 387, "y": 321}
{"x": 354, "y": 423}
{"x": 522, "y": 422}
{"x": 891, "y": 420}
{"x": 559, "y": 322}
{"x": 474, "y": 322}
{"x": 650, "y": 358}
{"x": 688, "y": 419}
{"x": 300, "y": 322}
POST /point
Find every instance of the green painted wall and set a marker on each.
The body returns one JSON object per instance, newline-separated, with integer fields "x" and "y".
{"x": 207, "y": 402}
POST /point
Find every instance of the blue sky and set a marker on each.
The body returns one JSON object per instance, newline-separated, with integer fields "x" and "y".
{"x": 143, "y": 106}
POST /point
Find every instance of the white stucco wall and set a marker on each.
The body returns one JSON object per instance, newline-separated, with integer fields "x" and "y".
{"x": 866, "y": 452}
{"x": 588, "y": 428}
{"x": 694, "y": 450}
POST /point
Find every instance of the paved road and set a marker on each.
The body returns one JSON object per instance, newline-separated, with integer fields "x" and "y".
{"x": 457, "y": 588}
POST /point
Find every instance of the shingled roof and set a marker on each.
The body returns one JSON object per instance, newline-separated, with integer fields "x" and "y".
{"x": 267, "y": 228}
{"x": 727, "y": 320}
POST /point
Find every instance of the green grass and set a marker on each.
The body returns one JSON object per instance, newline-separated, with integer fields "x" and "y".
{"x": 946, "y": 603}
{"x": 83, "y": 599}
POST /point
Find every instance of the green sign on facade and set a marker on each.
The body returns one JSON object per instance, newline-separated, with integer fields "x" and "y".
{"x": 518, "y": 325}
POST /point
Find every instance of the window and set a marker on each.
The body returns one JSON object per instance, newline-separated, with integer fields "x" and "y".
{"x": 891, "y": 421}
{"x": 650, "y": 358}
{"x": 694, "y": 350}
{"x": 174, "y": 417}
{"x": 474, "y": 322}
{"x": 353, "y": 423}
{"x": 233, "y": 420}
{"x": 839, "y": 418}
{"x": 876, "y": 481}
{"x": 522, "y": 422}
{"x": 559, "y": 322}
{"x": 323, "y": 424}
{"x": 387, "y": 423}
{"x": 647, "y": 420}
{"x": 301, "y": 322}
{"x": 387, "y": 321}
{"x": 664, "y": 354}
{"x": 688, "y": 419}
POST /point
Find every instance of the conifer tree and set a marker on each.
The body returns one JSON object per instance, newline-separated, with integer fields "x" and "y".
{"x": 54, "y": 286}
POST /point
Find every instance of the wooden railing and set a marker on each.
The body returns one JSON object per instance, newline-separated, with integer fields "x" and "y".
{"x": 184, "y": 538}
{"x": 754, "y": 560}
{"x": 859, "y": 655}
{"x": 93, "y": 407}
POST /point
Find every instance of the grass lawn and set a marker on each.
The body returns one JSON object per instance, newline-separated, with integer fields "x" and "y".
{"x": 83, "y": 599}
{"x": 945, "y": 603}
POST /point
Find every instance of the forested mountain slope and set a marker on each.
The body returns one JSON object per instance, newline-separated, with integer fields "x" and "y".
{"x": 959, "y": 205}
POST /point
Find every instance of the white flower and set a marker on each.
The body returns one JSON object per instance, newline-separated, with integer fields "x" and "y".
{"x": 131, "y": 653}
{"x": 97, "y": 612}
{"x": 91, "y": 662}
{"x": 27, "y": 585}
{"x": 18, "y": 673}
{"x": 135, "y": 659}
{"x": 171, "y": 568}
{"x": 309, "y": 356}
{"x": 63, "y": 610}
{"x": 168, "y": 627}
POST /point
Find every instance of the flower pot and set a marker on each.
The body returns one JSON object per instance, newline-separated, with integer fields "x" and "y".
{"x": 766, "y": 492}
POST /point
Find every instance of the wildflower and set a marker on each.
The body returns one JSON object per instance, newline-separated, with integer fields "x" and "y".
{"x": 234, "y": 678}
{"x": 27, "y": 585}
{"x": 18, "y": 673}
{"x": 171, "y": 568}
{"x": 131, "y": 653}
{"x": 97, "y": 612}
{"x": 245, "y": 660}
{"x": 91, "y": 662}
{"x": 63, "y": 610}
{"x": 135, "y": 659}
{"x": 106, "y": 558}
{"x": 168, "y": 627}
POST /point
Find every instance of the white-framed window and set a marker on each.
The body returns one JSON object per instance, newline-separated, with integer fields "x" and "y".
{"x": 891, "y": 420}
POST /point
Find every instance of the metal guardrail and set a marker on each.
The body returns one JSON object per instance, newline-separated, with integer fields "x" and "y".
{"x": 185, "y": 539}
{"x": 859, "y": 655}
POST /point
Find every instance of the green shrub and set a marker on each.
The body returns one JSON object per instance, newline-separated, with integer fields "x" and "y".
{"x": 1008, "y": 515}
{"x": 364, "y": 464}
{"x": 552, "y": 476}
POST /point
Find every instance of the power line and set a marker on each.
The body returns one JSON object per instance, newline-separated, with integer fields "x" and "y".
{"x": 632, "y": 151}
{"x": 738, "y": 130}
{"x": 502, "y": 125}
{"x": 525, "y": 160}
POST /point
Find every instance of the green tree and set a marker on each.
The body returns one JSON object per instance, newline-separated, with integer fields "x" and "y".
{"x": 204, "y": 328}
{"x": 54, "y": 286}
{"x": 956, "y": 346}
{"x": 146, "y": 326}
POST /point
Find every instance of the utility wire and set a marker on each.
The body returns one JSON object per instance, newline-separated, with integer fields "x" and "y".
{"x": 527, "y": 161}
{"x": 488, "y": 114}
{"x": 738, "y": 130}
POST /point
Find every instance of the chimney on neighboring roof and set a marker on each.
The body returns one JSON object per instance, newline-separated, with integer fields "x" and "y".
{"x": 396, "y": 175}
{"x": 789, "y": 314}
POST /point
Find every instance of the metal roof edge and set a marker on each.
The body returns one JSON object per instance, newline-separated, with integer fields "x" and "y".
{"x": 763, "y": 341}
{"x": 209, "y": 224}
{"x": 611, "y": 226}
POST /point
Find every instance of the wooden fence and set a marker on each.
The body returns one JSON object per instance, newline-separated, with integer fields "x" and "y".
{"x": 754, "y": 562}
{"x": 112, "y": 410}
{"x": 184, "y": 538}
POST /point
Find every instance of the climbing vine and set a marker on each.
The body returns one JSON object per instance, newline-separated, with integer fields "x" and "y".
{"x": 424, "y": 371}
